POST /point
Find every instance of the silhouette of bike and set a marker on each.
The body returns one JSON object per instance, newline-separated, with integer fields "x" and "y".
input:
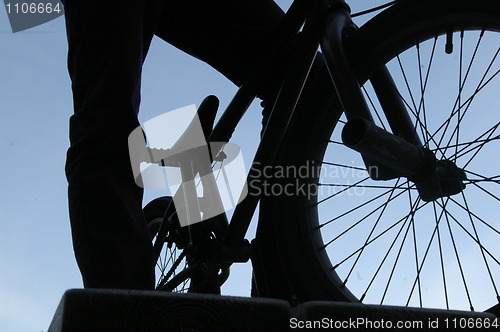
{"x": 384, "y": 193}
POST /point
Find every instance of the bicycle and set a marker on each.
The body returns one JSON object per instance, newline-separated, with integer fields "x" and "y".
{"x": 410, "y": 146}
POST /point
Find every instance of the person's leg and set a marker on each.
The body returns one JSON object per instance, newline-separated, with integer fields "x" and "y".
{"x": 108, "y": 41}
{"x": 230, "y": 35}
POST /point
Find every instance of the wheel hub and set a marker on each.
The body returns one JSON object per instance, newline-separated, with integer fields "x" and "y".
{"x": 441, "y": 178}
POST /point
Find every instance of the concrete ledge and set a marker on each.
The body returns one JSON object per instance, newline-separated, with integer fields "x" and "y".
{"x": 123, "y": 311}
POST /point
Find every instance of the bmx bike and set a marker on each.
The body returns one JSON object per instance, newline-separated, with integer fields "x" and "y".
{"x": 401, "y": 206}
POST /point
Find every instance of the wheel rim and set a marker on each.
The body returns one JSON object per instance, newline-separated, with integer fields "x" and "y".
{"x": 408, "y": 252}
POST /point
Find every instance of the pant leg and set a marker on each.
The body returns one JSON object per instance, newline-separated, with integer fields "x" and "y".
{"x": 108, "y": 41}
{"x": 230, "y": 35}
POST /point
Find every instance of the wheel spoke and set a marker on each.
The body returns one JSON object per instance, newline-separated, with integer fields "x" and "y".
{"x": 413, "y": 109}
{"x": 384, "y": 207}
{"x": 468, "y": 233}
{"x": 365, "y": 186}
{"x": 335, "y": 142}
{"x": 372, "y": 105}
{"x": 462, "y": 274}
{"x": 475, "y": 216}
{"x": 344, "y": 166}
{"x": 465, "y": 145}
{"x": 441, "y": 259}
{"x": 461, "y": 85}
{"x": 171, "y": 272}
{"x": 340, "y": 192}
{"x": 476, "y": 235}
{"x": 479, "y": 147}
{"x": 419, "y": 268}
{"x": 468, "y": 101}
{"x": 423, "y": 86}
{"x": 415, "y": 251}
{"x": 384, "y": 259}
{"x": 362, "y": 205}
{"x": 491, "y": 179}
{"x": 412, "y": 211}
{"x": 486, "y": 191}
{"x": 377, "y": 237}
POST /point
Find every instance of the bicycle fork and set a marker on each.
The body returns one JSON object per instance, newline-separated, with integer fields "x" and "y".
{"x": 386, "y": 155}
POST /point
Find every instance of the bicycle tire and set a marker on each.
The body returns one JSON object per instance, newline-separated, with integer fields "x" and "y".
{"x": 176, "y": 267}
{"x": 299, "y": 240}
{"x": 172, "y": 260}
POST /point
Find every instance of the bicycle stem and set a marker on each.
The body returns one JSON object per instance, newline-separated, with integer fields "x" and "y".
{"x": 338, "y": 24}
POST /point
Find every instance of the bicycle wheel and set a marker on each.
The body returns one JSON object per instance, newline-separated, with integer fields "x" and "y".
{"x": 353, "y": 239}
{"x": 182, "y": 267}
{"x": 172, "y": 259}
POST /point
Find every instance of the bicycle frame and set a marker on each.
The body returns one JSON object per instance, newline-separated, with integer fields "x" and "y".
{"x": 327, "y": 18}
{"x": 279, "y": 118}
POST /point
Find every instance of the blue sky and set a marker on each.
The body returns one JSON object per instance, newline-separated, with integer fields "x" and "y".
{"x": 36, "y": 256}
{"x": 35, "y": 248}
